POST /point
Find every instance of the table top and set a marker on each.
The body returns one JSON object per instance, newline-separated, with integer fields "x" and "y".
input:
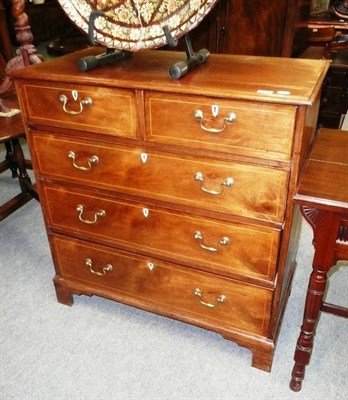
{"x": 11, "y": 127}
{"x": 324, "y": 182}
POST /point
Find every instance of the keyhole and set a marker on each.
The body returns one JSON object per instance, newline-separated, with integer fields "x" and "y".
{"x": 74, "y": 94}
{"x": 215, "y": 110}
{"x": 150, "y": 266}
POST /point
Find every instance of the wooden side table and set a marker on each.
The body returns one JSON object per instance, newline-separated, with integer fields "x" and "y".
{"x": 323, "y": 197}
{"x": 11, "y": 131}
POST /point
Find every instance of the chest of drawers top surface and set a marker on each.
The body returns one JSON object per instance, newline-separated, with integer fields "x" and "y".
{"x": 266, "y": 79}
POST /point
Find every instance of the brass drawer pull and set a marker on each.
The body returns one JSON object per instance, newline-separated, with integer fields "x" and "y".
{"x": 64, "y": 99}
{"x": 89, "y": 264}
{"x": 100, "y": 213}
{"x": 93, "y": 160}
{"x": 229, "y": 119}
{"x": 223, "y": 242}
{"x": 220, "y": 299}
{"x": 228, "y": 182}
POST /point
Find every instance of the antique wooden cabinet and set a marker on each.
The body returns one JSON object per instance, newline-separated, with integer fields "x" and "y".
{"x": 258, "y": 27}
{"x": 175, "y": 196}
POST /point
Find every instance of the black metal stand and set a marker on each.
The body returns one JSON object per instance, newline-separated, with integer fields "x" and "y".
{"x": 181, "y": 68}
{"x": 176, "y": 71}
{"x": 109, "y": 57}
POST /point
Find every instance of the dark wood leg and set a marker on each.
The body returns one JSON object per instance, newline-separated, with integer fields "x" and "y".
{"x": 10, "y": 158}
{"x": 325, "y": 229}
{"x": 23, "y": 177}
{"x": 315, "y": 294}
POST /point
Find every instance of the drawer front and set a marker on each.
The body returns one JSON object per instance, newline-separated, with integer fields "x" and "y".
{"x": 232, "y": 249}
{"x": 240, "y": 189}
{"x": 260, "y": 130}
{"x": 84, "y": 108}
{"x": 175, "y": 289}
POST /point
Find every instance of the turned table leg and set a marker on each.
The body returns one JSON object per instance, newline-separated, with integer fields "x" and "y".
{"x": 315, "y": 294}
{"x": 23, "y": 177}
{"x": 325, "y": 229}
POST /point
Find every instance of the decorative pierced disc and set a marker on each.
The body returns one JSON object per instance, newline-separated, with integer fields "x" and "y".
{"x": 137, "y": 24}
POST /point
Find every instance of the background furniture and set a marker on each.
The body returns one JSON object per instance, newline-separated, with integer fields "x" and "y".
{"x": 27, "y": 53}
{"x": 334, "y": 104}
{"x": 260, "y": 27}
{"x": 11, "y": 127}
{"x": 334, "y": 98}
{"x": 48, "y": 21}
{"x": 5, "y": 44}
{"x": 328, "y": 38}
{"x": 189, "y": 217}
{"x": 323, "y": 197}
{"x": 11, "y": 131}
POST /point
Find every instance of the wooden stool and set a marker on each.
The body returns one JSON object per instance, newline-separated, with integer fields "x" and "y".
{"x": 11, "y": 130}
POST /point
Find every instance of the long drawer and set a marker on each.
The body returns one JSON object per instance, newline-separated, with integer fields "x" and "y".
{"x": 234, "y": 188}
{"x": 231, "y": 249}
{"x": 84, "y": 108}
{"x": 230, "y": 126}
{"x": 176, "y": 289}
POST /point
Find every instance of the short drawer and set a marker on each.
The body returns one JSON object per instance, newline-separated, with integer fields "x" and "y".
{"x": 232, "y": 249}
{"x": 256, "y": 129}
{"x": 172, "y": 288}
{"x": 84, "y": 108}
{"x": 234, "y": 188}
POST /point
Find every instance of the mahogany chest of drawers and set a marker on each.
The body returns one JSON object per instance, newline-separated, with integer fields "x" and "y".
{"x": 175, "y": 196}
